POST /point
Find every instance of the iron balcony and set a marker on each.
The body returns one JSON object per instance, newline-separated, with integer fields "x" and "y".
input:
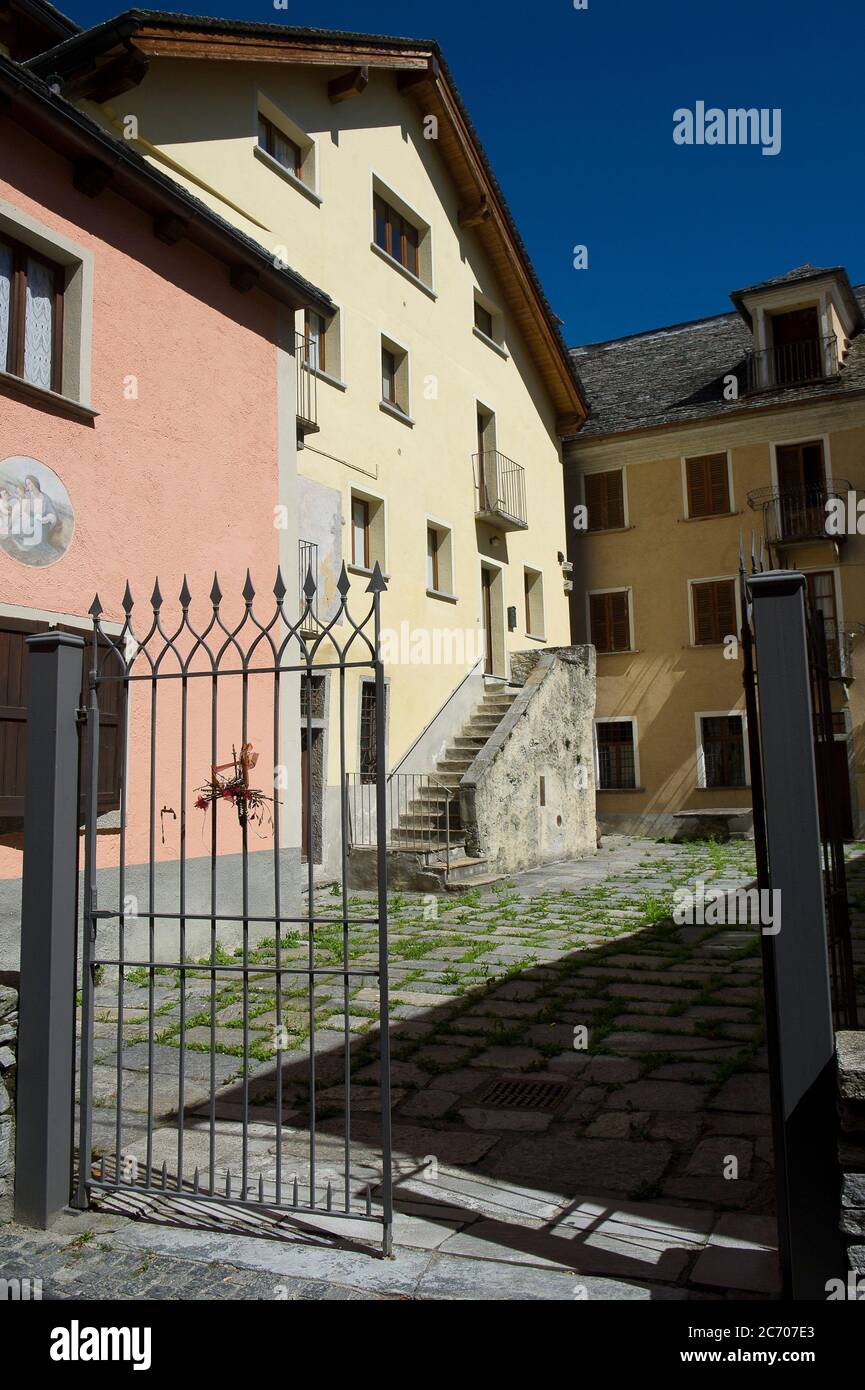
{"x": 307, "y": 389}
{"x": 791, "y": 364}
{"x": 792, "y": 515}
{"x": 500, "y": 491}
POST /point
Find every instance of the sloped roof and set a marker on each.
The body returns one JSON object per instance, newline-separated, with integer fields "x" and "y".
{"x": 671, "y": 376}
{"x": 157, "y": 32}
{"x": 29, "y": 101}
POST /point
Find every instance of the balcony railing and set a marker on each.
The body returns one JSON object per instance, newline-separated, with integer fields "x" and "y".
{"x": 308, "y": 564}
{"x": 791, "y": 364}
{"x": 794, "y": 514}
{"x": 307, "y": 388}
{"x": 839, "y": 651}
{"x": 500, "y": 491}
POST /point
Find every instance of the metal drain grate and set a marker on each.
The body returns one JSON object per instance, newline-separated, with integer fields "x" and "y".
{"x": 523, "y": 1095}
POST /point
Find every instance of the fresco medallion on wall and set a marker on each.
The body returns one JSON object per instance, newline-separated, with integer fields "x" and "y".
{"x": 36, "y": 516}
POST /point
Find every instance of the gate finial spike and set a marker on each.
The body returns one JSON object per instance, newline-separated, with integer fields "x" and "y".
{"x": 753, "y": 552}
{"x": 128, "y": 601}
{"x": 309, "y": 585}
{"x": 215, "y": 591}
{"x": 156, "y": 597}
{"x": 343, "y": 583}
{"x": 261, "y": 1187}
{"x": 185, "y": 595}
{"x": 378, "y": 583}
{"x": 279, "y": 588}
{"x": 95, "y": 608}
{"x": 248, "y": 590}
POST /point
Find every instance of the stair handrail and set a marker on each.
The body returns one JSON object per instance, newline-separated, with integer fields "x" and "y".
{"x": 430, "y": 777}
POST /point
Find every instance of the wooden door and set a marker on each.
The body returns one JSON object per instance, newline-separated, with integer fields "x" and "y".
{"x": 482, "y": 489}
{"x": 304, "y": 793}
{"x": 13, "y": 720}
{"x": 802, "y": 483}
{"x": 487, "y": 591}
{"x": 836, "y": 818}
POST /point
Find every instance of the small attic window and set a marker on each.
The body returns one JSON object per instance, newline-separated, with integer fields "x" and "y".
{"x": 285, "y": 147}
{"x": 489, "y": 324}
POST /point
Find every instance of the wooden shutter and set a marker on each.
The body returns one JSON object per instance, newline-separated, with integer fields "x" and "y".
{"x": 609, "y": 622}
{"x": 708, "y": 485}
{"x": 714, "y": 606}
{"x": 13, "y": 720}
{"x": 605, "y": 500}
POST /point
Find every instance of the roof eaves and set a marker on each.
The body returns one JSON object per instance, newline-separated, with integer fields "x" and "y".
{"x": 286, "y": 283}
{"x": 125, "y": 25}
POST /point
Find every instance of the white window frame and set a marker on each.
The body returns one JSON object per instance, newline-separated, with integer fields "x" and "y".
{"x": 78, "y": 263}
{"x": 613, "y": 589}
{"x": 711, "y": 579}
{"x": 626, "y": 511}
{"x": 616, "y": 719}
{"x": 776, "y": 444}
{"x": 713, "y": 516}
{"x": 702, "y": 714}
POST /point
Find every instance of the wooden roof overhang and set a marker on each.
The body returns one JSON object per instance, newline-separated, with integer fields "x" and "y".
{"x": 99, "y": 71}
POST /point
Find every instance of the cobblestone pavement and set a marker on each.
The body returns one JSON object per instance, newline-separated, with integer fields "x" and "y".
{"x": 641, "y": 1169}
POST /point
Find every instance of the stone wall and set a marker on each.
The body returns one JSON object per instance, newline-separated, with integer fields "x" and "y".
{"x": 529, "y": 796}
{"x": 850, "y": 1050}
{"x": 8, "y": 1059}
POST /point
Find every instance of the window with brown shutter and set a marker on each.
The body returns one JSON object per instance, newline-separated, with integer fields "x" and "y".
{"x": 609, "y": 621}
{"x": 708, "y": 485}
{"x": 605, "y": 500}
{"x": 13, "y": 720}
{"x": 714, "y": 608}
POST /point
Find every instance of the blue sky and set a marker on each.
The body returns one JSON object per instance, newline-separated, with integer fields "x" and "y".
{"x": 575, "y": 109}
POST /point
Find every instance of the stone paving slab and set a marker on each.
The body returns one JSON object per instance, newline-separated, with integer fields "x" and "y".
{"x": 568, "y": 974}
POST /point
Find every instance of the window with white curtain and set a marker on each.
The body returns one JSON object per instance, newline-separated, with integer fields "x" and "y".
{"x": 6, "y": 262}
{"x": 31, "y": 300}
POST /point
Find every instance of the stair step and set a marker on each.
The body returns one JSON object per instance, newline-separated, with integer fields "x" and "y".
{"x": 469, "y": 741}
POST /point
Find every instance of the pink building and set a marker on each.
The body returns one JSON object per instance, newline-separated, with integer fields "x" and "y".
{"x": 147, "y": 414}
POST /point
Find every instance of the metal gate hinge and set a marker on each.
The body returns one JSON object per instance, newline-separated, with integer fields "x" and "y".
{"x": 81, "y": 715}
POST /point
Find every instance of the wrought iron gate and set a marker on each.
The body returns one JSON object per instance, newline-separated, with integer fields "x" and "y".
{"x": 162, "y": 909}
{"x": 830, "y": 795}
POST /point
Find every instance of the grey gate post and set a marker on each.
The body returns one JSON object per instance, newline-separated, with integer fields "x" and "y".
{"x": 46, "y": 1041}
{"x": 800, "y": 1035}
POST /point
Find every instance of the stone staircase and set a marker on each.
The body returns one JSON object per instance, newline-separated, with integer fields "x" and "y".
{"x": 423, "y": 824}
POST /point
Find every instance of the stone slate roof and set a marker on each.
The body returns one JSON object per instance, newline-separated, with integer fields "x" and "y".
{"x": 670, "y": 376}
{"x": 790, "y": 277}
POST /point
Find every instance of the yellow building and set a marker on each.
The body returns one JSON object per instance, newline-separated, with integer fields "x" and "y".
{"x": 702, "y": 435}
{"x": 431, "y": 405}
